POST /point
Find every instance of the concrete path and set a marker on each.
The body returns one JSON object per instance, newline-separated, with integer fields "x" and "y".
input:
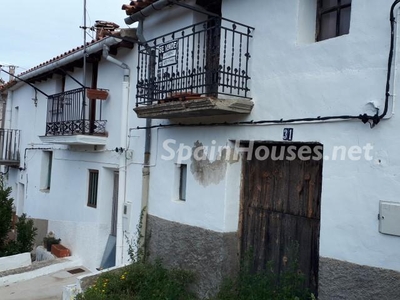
{"x": 48, "y": 287}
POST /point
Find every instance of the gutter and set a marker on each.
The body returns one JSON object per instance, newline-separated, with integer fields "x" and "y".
{"x": 69, "y": 58}
{"x": 119, "y": 257}
{"x": 147, "y": 11}
{"x": 159, "y": 5}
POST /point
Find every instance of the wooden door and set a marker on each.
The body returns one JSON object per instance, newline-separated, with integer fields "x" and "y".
{"x": 280, "y": 212}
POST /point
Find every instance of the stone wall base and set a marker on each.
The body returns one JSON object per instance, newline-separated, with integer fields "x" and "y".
{"x": 344, "y": 280}
{"x": 212, "y": 256}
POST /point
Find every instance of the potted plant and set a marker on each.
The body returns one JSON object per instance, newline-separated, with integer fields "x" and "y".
{"x": 49, "y": 240}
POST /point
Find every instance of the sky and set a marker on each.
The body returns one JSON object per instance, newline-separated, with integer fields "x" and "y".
{"x": 32, "y": 32}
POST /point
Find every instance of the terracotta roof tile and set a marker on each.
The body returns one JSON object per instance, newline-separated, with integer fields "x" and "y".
{"x": 136, "y": 6}
{"x": 8, "y": 85}
{"x": 56, "y": 58}
{"x": 106, "y": 28}
{"x": 59, "y": 57}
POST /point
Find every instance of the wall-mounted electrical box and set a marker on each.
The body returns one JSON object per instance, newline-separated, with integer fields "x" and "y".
{"x": 126, "y": 217}
{"x": 389, "y": 218}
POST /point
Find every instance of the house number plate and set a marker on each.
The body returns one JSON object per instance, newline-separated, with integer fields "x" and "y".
{"x": 288, "y": 134}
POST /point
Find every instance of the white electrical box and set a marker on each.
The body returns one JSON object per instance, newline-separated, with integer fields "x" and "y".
{"x": 389, "y": 218}
{"x": 126, "y": 217}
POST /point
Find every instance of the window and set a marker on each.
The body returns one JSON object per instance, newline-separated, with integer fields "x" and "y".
{"x": 333, "y": 18}
{"x": 47, "y": 163}
{"x": 182, "y": 182}
{"x": 93, "y": 186}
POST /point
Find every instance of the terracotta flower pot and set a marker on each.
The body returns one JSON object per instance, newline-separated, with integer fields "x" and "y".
{"x": 59, "y": 250}
{"x": 97, "y": 94}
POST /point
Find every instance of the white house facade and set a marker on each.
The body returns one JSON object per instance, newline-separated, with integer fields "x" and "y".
{"x": 266, "y": 128}
{"x": 286, "y": 73}
{"x": 73, "y": 162}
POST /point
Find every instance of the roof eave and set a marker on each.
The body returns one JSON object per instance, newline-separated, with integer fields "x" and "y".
{"x": 69, "y": 58}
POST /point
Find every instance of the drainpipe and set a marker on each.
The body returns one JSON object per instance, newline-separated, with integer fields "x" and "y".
{"x": 9, "y": 103}
{"x": 3, "y": 102}
{"x": 122, "y": 161}
{"x": 145, "y": 183}
{"x": 147, "y": 149}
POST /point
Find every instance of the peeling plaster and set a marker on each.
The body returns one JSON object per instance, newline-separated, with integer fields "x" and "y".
{"x": 206, "y": 172}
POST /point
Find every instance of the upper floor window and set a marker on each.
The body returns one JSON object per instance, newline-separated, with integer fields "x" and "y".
{"x": 333, "y": 18}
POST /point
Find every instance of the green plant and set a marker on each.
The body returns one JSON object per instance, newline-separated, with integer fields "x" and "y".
{"x": 50, "y": 240}
{"x": 25, "y": 229}
{"x": 6, "y": 211}
{"x": 136, "y": 246}
{"x": 26, "y": 233}
{"x": 266, "y": 284}
{"x": 142, "y": 281}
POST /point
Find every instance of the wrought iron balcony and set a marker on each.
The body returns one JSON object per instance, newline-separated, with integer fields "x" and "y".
{"x": 9, "y": 147}
{"x": 206, "y": 65}
{"x": 70, "y": 113}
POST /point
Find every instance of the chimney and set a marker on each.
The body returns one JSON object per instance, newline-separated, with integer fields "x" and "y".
{"x": 104, "y": 28}
{"x": 11, "y": 70}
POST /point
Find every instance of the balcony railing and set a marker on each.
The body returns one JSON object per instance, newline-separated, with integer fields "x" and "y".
{"x": 71, "y": 113}
{"x": 9, "y": 146}
{"x": 209, "y": 58}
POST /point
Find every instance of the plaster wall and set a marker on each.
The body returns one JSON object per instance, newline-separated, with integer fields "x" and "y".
{"x": 294, "y": 77}
{"x": 81, "y": 228}
{"x": 291, "y": 77}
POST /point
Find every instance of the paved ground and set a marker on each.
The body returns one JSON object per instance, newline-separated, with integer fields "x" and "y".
{"x": 47, "y": 287}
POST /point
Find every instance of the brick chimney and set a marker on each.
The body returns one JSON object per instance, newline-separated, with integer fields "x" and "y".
{"x": 104, "y": 28}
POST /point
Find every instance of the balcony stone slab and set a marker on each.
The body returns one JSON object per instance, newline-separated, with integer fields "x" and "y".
{"x": 75, "y": 140}
{"x": 203, "y": 107}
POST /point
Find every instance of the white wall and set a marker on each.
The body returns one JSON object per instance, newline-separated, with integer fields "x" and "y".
{"x": 293, "y": 77}
{"x": 81, "y": 228}
{"x": 15, "y": 261}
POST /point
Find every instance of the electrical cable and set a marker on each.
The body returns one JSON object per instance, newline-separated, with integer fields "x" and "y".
{"x": 390, "y": 60}
{"x": 365, "y": 118}
{"x": 33, "y": 148}
{"x": 6, "y": 172}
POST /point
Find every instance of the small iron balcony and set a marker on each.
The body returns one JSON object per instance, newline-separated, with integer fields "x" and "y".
{"x": 202, "y": 69}
{"x": 70, "y": 114}
{"x": 9, "y": 147}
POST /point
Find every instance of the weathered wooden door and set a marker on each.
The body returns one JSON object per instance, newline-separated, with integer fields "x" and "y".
{"x": 280, "y": 211}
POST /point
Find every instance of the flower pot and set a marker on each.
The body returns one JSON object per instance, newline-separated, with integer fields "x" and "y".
{"x": 97, "y": 94}
{"x": 59, "y": 250}
{"x": 48, "y": 242}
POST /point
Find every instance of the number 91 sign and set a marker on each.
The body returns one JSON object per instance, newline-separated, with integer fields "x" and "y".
{"x": 288, "y": 134}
